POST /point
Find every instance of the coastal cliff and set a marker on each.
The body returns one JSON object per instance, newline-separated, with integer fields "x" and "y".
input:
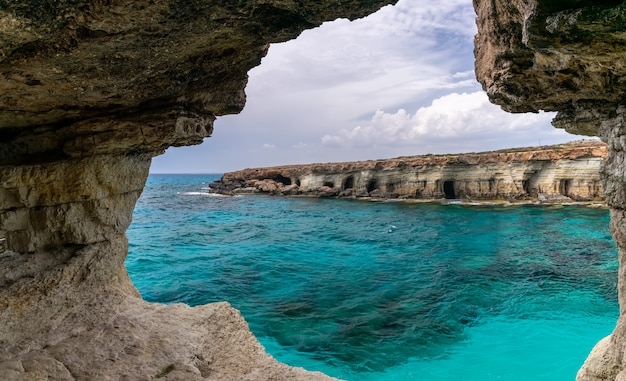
{"x": 91, "y": 90}
{"x": 561, "y": 173}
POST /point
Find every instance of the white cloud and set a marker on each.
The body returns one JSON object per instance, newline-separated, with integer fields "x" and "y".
{"x": 410, "y": 17}
{"x": 466, "y": 117}
{"x": 398, "y": 56}
{"x": 330, "y": 81}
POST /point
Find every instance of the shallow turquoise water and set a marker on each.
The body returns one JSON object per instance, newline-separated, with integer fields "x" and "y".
{"x": 386, "y": 291}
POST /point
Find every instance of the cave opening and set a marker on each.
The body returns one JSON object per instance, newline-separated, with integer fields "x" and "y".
{"x": 348, "y": 183}
{"x": 329, "y": 184}
{"x": 282, "y": 179}
{"x": 492, "y": 185}
{"x": 448, "y": 189}
{"x": 448, "y": 186}
{"x": 371, "y": 185}
{"x": 564, "y": 186}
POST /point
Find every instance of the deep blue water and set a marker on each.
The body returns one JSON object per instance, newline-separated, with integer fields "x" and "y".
{"x": 386, "y": 290}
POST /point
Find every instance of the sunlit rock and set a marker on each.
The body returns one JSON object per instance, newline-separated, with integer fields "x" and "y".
{"x": 562, "y": 173}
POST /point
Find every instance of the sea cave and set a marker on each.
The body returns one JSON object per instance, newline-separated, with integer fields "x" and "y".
{"x": 91, "y": 91}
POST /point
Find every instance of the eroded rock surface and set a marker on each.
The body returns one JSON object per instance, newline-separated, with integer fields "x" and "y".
{"x": 562, "y": 173}
{"x": 567, "y": 56}
{"x": 90, "y": 91}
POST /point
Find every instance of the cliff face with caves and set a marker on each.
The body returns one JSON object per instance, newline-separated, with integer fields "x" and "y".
{"x": 90, "y": 90}
{"x": 562, "y": 173}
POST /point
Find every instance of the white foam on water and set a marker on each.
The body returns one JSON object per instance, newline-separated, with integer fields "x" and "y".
{"x": 204, "y": 194}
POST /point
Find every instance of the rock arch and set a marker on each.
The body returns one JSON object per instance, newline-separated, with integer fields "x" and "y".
{"x": 76, "y": 146}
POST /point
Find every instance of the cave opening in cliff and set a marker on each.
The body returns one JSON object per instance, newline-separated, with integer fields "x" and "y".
{"x": 448, "y": 189}
{"x": 329, "y": 184}
{"x": 348, "y": 183}
{"x": 282, "y": 179}
{"x": 565, "y": 186}
{"x": 371, "y": 185}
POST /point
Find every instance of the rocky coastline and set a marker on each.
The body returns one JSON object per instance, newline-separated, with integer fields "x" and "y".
{"x": 562, "y": 173}
{"x": 91, "y": 91}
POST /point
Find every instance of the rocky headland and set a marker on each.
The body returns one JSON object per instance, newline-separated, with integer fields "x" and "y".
{"x": 559, "y": 173}
{"x": 91, "y": 90}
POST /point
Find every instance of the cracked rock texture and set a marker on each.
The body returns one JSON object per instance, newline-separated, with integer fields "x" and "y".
{"x": 567, "y": 56}
{"x": 562, "y": 173}
{"x": 90, "y": 91}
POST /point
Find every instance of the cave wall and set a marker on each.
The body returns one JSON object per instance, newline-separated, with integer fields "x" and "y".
{"x": 567, "y": 56}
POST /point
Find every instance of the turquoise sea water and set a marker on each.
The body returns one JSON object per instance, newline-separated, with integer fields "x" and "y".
{"x": 386, "y": 290}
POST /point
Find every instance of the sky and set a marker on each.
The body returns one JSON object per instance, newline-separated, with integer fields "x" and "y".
{"x": 399, "y": 82}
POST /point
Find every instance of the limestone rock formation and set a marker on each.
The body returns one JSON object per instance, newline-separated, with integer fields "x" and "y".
{"x": 567, "y": 56}
{"x": 561, "y": 173}
{"x": 90, "y": 91}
